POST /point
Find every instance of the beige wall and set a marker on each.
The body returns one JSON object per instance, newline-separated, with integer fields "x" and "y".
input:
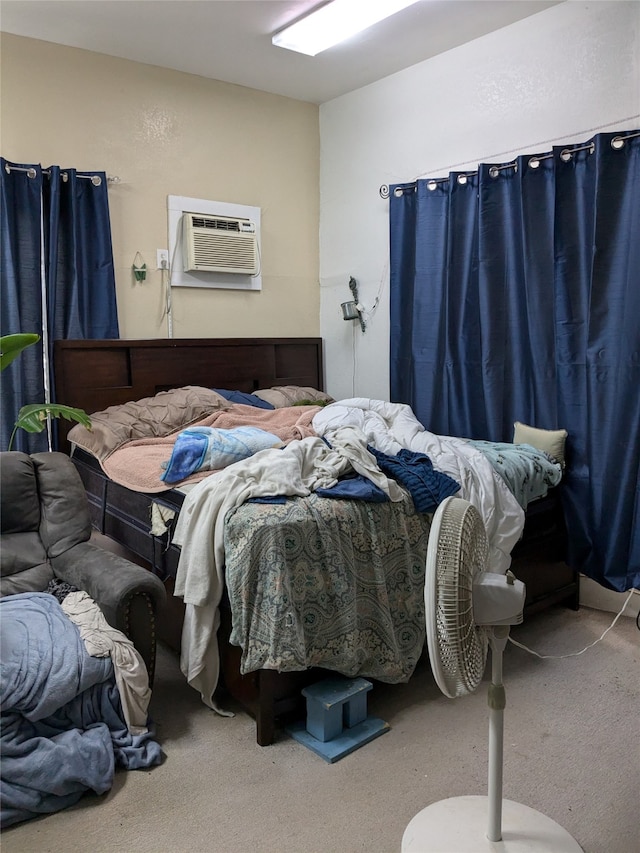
{"x": 168, "y": 133}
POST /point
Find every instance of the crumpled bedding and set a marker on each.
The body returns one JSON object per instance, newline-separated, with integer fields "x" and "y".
{"x": 528, "y": 472}
{"x": 63, "y": 731}
{"x": 415, "y": 471}
{"x": 102, "y": 640}
{"x": 203, "y": 448}
{"x": 164, "y": 413}
{"x": 296, "y": 470}
{"x": 138, "y": 464}
{"x": 389, "y": 427}
{"x": 350, "y": 428}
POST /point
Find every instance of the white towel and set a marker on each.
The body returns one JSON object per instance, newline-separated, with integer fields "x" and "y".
{"x": 101, "y": 640}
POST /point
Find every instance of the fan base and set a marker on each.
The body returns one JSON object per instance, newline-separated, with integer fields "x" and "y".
{"x": 460, "y": 824}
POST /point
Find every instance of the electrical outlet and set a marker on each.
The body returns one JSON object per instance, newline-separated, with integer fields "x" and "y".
{"x": 162, "y": 259}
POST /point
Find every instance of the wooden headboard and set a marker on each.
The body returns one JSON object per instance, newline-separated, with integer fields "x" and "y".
{"x": 93, "y": 375}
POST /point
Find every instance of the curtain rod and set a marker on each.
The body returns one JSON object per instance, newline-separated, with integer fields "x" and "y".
{"x": 617, "y": 142}
{"x": 96, "y": 180}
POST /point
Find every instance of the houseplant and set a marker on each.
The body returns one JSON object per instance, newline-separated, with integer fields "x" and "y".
{"x": 33, "y": 417}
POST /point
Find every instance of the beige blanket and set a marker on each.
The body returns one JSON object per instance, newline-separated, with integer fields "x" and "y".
{"x": 164, "y": 413}
{"x": 138, "y": 464}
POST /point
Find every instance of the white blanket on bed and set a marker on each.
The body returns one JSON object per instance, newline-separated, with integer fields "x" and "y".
{"x": 391, "y": 426}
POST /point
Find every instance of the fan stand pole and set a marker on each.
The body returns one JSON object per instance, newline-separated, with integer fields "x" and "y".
{"x": 459, "y": 824}
{"x": 497, "y": 699}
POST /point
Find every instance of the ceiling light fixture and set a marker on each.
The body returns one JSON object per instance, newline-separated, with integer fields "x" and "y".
{"x": 334, "y": 22}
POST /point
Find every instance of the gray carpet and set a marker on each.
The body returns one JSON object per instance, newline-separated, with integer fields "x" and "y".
{"x": 571, "y": 752}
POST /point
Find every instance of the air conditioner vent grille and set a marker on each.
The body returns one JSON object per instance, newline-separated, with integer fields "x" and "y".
{"x": 221, "y": 251}
{"x": 218, "y": 224}
{"x": 219, "y": 244}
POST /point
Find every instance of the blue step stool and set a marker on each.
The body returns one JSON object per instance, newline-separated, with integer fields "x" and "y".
{"x": 337, "y": 721}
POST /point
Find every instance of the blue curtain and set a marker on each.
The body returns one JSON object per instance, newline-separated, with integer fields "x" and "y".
{"x": 515, "y": 295}
{"x": 56, "y": 275}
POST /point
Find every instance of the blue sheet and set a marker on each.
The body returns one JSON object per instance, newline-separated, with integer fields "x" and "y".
{"x": 355, "y": 487}
{"x": 63, "y": 730}
{"x": 244, "y": 398}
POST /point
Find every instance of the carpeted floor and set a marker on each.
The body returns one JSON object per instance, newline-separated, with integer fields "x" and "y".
{"x": 571, "y": 751}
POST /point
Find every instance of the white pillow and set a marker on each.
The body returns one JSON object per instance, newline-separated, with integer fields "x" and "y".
{"x": 550, "y": 441}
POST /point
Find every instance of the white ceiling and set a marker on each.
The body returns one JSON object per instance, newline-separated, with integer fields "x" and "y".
{"x": 230, "y": 40}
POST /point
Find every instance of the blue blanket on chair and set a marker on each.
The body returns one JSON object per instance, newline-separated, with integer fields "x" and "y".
{"x": 63, "y": 730}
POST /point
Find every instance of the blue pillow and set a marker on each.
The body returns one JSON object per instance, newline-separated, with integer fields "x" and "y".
{"x": 242, "y": 397}
{"x": 209, "y": 449}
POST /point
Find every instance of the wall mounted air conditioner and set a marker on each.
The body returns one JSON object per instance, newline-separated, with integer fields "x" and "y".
{"x": 219, "y": 244}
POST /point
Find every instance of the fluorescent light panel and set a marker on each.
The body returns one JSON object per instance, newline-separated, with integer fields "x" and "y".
{"x": 334, "y": 23}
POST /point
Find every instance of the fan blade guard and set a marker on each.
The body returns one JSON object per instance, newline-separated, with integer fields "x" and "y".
{"x": 456, "y": 555}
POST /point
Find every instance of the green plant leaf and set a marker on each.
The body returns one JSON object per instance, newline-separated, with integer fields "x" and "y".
{"x": 33, "y": 417}
{"x": 12, "y": 345}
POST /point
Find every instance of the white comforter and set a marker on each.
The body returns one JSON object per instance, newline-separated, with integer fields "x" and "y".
{"x": 391, "y": 426}
{"x": 298, "y": 469}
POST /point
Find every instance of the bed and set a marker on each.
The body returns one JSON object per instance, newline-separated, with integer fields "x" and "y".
{"x": 95, "y": 375}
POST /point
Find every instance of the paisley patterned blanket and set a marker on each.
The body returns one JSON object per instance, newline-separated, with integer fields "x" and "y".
{"x": 329, "y": 583}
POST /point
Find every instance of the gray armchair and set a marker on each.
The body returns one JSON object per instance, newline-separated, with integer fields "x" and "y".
{"x": 46, "y": 528}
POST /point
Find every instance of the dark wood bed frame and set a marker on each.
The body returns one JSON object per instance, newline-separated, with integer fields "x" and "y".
{"x": 93, "y": 375}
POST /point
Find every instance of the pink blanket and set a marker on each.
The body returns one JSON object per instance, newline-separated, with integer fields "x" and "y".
{"x": 138, "y": 463}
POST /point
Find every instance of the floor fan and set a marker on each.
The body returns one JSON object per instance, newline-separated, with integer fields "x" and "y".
{"x": 467, "y": 610}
